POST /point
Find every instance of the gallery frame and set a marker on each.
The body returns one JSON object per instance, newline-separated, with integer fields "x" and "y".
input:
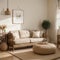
{"x": 17, "y": 16}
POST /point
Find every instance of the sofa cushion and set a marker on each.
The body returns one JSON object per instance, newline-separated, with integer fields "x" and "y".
{"x": 36, "y": 39}
{"x": 15, "y": 34}
{"x": 41, "y": 33}
{"x": 36, "y": 34}
{"x": 23, "y": 40}
{"x": 24, "y": 34}
{"x": 24, "y": 45}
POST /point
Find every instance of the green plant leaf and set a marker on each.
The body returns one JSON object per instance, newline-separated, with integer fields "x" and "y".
{"x": 46, "y": 24}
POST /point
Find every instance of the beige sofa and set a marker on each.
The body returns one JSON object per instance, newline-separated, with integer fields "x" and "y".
{"x": 26, "y": 38}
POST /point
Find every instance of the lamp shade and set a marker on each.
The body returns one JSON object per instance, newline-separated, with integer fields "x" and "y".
{"x": 7, "y": 12}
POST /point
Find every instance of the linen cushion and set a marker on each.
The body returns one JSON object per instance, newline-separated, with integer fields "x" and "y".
{"x": 37, "y": 39}
{"x": 22, "y": 40}
{"x": 36, "y": 34}
{"x": 24, "y": 34}
{"x": 15, "y": 34}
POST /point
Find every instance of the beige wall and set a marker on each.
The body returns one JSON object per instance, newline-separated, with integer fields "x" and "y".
{"x": 34, "y": 12}
{"x": 52, "y": 11}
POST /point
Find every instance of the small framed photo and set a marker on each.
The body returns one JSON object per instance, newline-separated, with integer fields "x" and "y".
{"x": 17, "y": 16}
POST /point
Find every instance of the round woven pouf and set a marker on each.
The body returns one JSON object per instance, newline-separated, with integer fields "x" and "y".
{"x": 3, "y": 46}
{"x": 47, "y": 48}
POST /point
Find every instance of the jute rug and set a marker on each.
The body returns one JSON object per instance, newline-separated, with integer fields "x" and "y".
{"x": 58, "y": 58}
{"x": 29, "y": 55}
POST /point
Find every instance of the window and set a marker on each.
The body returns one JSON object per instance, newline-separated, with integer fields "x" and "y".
{"x": 58, "y": 19}
{"x": 58, "y": 15}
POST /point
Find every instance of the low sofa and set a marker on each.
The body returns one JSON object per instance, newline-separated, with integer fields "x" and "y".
{"x": 26, "y": 38}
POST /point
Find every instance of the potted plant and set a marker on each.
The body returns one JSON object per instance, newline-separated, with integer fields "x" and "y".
{"x": 46, "y": 25}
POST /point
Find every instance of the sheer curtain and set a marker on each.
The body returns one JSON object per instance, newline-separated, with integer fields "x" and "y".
{"x": 58, "y": 15}
{"x": 58, "y": 18}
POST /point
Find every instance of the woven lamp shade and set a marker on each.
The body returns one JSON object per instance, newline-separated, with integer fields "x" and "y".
{"x": 7, "y": 12}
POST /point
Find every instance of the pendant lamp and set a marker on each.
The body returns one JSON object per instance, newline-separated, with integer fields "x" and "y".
{"x": 7, "y": 12}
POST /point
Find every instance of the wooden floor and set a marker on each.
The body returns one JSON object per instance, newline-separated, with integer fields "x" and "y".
{"x": 27, "y": 52}
{"x": 9, "y": 58}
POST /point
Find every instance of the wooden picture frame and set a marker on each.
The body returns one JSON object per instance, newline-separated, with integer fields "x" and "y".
{"x": 17, "y": 16}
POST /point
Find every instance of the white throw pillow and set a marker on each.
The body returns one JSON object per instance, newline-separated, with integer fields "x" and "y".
{"x": 24, "y": 34}
{"x": 15, "y": 34}
{"x": 36, "y": 34}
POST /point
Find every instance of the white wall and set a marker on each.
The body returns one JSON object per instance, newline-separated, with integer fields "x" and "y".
{"x": 34, "y": 12}
{"x": 52, "y": 12}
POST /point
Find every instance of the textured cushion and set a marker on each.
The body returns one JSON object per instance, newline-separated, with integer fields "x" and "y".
{"x": 15, "y": 34}
{"x": 41, "y": 33}
{"x": 48, "y": 48}
{"x": 24, "y": 34}
{"x": 23, "y": 45}
{"x": 36, "y": 39}
{"x": 36, "y": 34}
{"x": 23, "y": 40}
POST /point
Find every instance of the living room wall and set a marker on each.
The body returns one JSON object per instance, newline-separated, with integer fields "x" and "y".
{"x": 35, "y": 11}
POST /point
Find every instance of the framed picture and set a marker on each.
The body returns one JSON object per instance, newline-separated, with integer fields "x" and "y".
{"x": 17, "y": 16}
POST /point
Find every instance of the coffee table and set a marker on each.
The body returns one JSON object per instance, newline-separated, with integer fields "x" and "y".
{"x": 44, "y": 48}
